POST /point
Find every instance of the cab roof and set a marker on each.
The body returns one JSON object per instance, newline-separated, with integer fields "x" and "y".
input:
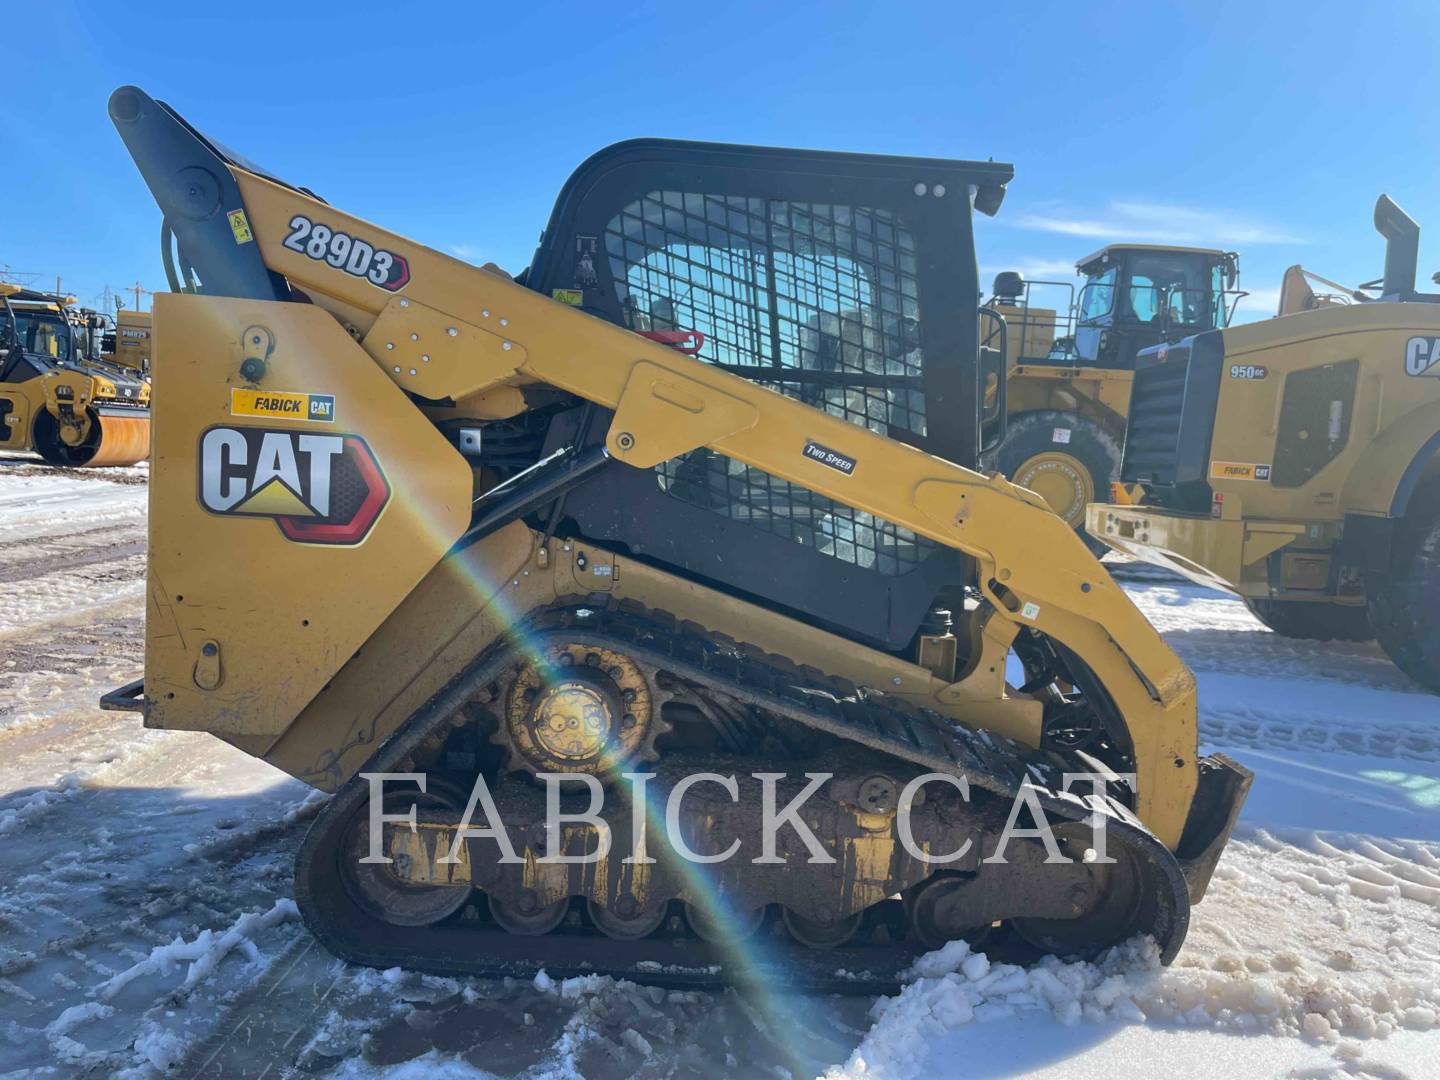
{"x": 31, "y": 296}
{"x": 1117, "y": 248}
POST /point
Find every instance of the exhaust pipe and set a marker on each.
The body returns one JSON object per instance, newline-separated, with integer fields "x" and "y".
{"x": 1402, "y": 246}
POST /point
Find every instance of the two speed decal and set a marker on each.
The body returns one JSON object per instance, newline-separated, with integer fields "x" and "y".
{"x": 359, "y": 258}
{"x": 832, "y": 458}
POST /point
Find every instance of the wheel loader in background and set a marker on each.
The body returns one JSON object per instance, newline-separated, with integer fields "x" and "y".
{"x": 1070, "y": 365}
{"x": 62, "y": 395}
{"x": 721, "y": 432}
{"x": 1296, "y": 461}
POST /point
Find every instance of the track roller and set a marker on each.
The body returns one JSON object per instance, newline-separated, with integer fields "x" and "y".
{"x": 539, "y": 919}
{"x": 625, "y": 918}
{"x": 719, "y": 923}
{"x": 938, "y": 912}
{"x": 821, "y": 933}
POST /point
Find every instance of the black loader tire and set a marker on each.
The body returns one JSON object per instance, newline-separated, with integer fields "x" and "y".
{"x": 1405, "y": 604}
{"x": 1033, "y": 453}
{"x": 1313, "y": 620}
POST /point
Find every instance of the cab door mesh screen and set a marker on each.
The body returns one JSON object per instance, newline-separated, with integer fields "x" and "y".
{"x": 819, "y": 302}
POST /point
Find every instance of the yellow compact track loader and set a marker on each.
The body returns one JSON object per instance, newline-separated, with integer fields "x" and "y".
{"x": 1070, "y": 363}
{"x": 684, "y": 514}
{"x": 61, "y": 396}
{"x": 1296, "y": 461}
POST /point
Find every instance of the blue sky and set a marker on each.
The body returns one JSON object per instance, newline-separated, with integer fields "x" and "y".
{"x": 1263, "y": 127}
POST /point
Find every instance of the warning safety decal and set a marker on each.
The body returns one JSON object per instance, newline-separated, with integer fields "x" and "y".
{"x": 1236, "y": 470}
{"x": 240, "y": 226}
{"x": 319, "y": 489}
{"x": 282, "y": 403}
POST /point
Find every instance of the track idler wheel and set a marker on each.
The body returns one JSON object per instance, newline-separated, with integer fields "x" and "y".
{"x": 1108, "y": 910}
{"x": 538, "y": 919}
{"x": 376, "y": 888}
{"x": 626, "y": 918}
{"x": 820, "y": 932}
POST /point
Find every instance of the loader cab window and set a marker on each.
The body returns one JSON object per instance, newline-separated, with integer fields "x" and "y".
{"x": 819, "y": 302}
{"x": 1217, "y": 295}
{"x": 1146, "y": 298}
{"x": 1097, "y": 297}
{"x": 43, "y": 334}
{"x": 1173, "y": 288}
{"x": 781, "y": 288}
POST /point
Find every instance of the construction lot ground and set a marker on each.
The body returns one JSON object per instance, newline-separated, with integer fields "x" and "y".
{"x": 146, "y": 925}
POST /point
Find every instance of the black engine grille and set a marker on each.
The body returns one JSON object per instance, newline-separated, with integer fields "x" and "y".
{"x": 1152, "y": 439}
{"x": 1172, "y": 417}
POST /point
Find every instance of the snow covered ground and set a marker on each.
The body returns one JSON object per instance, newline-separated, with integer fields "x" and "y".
{"x": 146, "y": 927}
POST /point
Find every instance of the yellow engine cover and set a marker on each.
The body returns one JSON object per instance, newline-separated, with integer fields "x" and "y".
{"x": 288, "y": 516}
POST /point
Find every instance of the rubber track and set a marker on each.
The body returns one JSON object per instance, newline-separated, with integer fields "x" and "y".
{"x": 988, "y": 761}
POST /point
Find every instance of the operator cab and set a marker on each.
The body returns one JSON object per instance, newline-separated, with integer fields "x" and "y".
{"x": 1132, "y": 296}
{"x": 837, "y": 279}
{"x": 36, "y": 334}
{"x": 1138, "y": 295}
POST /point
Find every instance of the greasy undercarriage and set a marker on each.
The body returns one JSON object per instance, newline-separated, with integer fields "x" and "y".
{"x": 625, "y": 694}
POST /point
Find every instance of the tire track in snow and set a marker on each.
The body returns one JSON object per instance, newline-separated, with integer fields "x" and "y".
{"x": 1240, "y": 711}
{"x": 104, "y": 586}
{"x": 63, "y": 561}
{"x": 1214, "y": 632}
{"x": 71, "y": 548}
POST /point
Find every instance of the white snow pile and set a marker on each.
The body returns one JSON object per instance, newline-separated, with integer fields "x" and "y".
{"x": 954, "y": 987}
{"x": 205, "y": 952}
{"x": 157, "y": 1047}
{"x": 57, "y": 1032}
{"x": 581, "y": 1030}
{"x": 37, "y": 803}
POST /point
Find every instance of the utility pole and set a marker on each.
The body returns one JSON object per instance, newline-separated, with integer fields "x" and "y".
{"x": 137, "y": 290}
